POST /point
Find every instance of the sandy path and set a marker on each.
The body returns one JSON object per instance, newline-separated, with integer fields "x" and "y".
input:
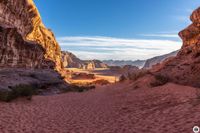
{"x": 169, "y": 109}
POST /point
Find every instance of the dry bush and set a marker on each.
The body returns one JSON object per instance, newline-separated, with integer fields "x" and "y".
{"x": 160, "y": 80}
{"x": 122, "y": 78}
{"x": 17, "y": 91}
{"x": 135, "y": 75}
{"x": 77, "y": 88}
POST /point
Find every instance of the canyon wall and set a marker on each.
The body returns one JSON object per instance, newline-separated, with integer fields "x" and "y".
{"x": 24, "y": 40}
{"x": 185, "y": 67}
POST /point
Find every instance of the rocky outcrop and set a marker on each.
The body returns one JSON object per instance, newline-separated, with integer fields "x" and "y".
{"x": 185, "y": 67}
{"x": 42, "y": 81}
{"x": 25, "y": 42}
{"x": 30, "y": 57}
{"x": 71, "y": 61}
{"x": 93, "y": 64}
{"x": 191, "y": 35}
{"x": 158, "y": 59}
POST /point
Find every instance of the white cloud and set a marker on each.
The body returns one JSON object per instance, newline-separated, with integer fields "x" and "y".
{"x": 97, "y": 47}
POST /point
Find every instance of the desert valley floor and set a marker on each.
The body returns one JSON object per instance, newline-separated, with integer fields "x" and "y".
{"x": 107, "y": 109}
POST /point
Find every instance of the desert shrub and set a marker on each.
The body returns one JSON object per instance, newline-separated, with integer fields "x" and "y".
{"x": 5, "y": 96}
{"x": 137, "y": 74}
{"x": 76, "y": 88}
{"x": 17, "y": 91}
{"x": 122, "y": 78}
{"x": 160, "y": 80}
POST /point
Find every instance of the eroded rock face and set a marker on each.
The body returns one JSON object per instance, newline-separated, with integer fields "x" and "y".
{"x": 15, "y": 52}
{"x": 191, "y": 35}
{"x": 24, "y": 40}
{"x": 72, "y": 61}
{"x": 93, "y": 64}
{"x": 29, "y": 53}
{"x": 185, "y": 67}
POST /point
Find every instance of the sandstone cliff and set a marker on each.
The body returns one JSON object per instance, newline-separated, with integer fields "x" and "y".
{"x": 93, "y": 64}
{"x": 30, "y": 57}
{"x": 185, "y": 67}
{"x": 71, "y": 61}
{"x": 25, "y": 42}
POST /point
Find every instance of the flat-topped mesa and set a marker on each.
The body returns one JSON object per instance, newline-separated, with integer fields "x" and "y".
{"x": 24, "y": 40}
{"x": 191, "y": 35}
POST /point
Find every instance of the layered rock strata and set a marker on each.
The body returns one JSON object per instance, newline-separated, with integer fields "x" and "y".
{"x": 24, "y": 40}
{"x": 30, "y": 57}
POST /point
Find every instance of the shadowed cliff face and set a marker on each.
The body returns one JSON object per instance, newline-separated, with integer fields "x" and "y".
{"x": 15, "y": 52}
{"x": 29, "y": 53}
{"x": 185, "y": 67}
{"x": 25, "y": 42}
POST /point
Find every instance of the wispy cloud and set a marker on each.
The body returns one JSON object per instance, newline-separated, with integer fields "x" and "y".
{"x": 161, "y": 35}
{"x": 97, "y": 47}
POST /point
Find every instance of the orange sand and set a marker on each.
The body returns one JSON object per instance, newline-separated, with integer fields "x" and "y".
{"x": 168, "y": 109}
{"x": 100, "y": 74}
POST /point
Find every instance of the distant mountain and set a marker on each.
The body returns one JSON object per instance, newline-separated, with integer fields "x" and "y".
{"x": 121, "y": 63}
{"x": 158, "y": 59}
{"x": 72, "y": 61}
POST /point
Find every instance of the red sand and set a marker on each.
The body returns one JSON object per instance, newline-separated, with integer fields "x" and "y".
{"x": 168, "y": 109}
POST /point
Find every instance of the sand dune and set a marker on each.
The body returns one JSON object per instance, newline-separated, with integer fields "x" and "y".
{"x": 170, "y": 109}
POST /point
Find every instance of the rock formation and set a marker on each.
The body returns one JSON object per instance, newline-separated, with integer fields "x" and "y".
{"x": 185, "y": 67}
{"x": 30, "y": 57}
{"x": 158, "y": 59}
{"x": 71, "y": 61}
{"x": 25, "y": 42}
{"x": 93, "y": 64}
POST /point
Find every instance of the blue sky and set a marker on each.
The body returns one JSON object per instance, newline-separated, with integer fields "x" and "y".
{"x": 117, "y": 29}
